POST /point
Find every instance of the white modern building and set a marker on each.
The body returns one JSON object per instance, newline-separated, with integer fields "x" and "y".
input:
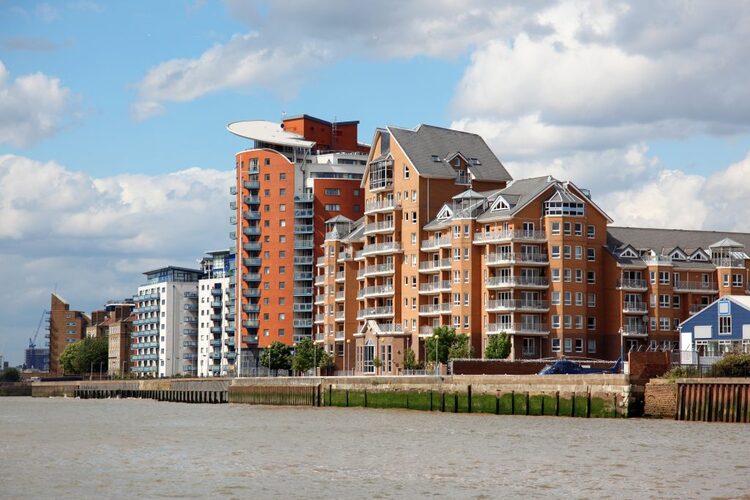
{"x": 165, "y": 333}
{"x": 217, "y": 346}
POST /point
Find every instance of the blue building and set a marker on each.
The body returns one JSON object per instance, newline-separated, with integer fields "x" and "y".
{"x": 720, "y": 328}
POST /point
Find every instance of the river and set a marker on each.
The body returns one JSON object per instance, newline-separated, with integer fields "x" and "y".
{"x": 68, "y": 448}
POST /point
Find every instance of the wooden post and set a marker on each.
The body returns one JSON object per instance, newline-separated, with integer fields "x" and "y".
{"x": 497, "y": 403}
{"x": 557, "y": 403}
{"x": 320, "y": 388}
{"x": 528, "y": 403}
{"x": 512, "y": 402}
{"x": 541, "y": 410}
{"x": 588, "y": 403}
{"x": 347, "y": 398}
{"x": 573, "y": 405}
{"x": 430, "y": 399}
{"x": 468, "y": 396}
{"x": 455, "y": 402}
{"x": 442, "y": 401}
{"x": 365, "y": 397}
{"x": 330, "y": 394}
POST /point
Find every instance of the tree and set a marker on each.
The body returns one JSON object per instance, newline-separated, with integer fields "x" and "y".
{"x": 10, "y": 375}
{"x": 85, "y": 355}
{"x": 410, "y": 360}
{"x": 325, "y": 361}
{"x": 498, "y": 347}
{"x": 461, "y": 348}
{"x": 276, "y": 357}
{"x": 449, "y": 345}
{"x": 307, "y": 355}
{"x": 377, "y": 362}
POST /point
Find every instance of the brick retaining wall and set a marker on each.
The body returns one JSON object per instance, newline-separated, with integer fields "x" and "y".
{"x": 660, "y": 399}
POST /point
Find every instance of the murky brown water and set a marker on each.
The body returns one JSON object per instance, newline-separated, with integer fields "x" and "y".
{"x": 66, "y": 448}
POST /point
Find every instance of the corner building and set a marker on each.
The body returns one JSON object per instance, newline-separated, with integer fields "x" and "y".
{"x": 297, "y": 175}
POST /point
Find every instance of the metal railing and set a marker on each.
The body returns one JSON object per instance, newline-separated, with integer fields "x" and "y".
{"x": 500, "y": 236}
{"x": 632, "y": 284}
{"x": 435, "y": 265}
{"x": 435, "y": 286}
{"x": 390, "y": 246}
{"x": 513, "y": 258}
{"x": 697, "y": 286}
{"x": 387, "y": 204}
{"x": 511, "y": 281}
{"x": 374, "y": 227}
{"x": 518, "y": 304}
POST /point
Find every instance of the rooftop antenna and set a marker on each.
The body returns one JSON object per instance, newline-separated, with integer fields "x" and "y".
{"x": 333, "y": 134}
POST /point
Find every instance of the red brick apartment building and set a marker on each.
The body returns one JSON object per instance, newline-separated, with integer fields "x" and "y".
{"x": 294, "y": 177}
{"x": 448, "y": 238}
{"x": 65, "y": 327}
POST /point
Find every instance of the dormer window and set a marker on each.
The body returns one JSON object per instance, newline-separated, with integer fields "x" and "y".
{"x": 677, "y": 254}
{"x": 435, "y": 158}
{"x": 629, "y": 253}
{"x": 445, "y": 213}
{"x": 457, "y": 162}
{"x": 500, "y": 205}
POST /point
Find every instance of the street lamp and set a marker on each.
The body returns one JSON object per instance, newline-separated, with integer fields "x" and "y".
{"x": 621, "y": 331}
{"x": 346, "y": 354}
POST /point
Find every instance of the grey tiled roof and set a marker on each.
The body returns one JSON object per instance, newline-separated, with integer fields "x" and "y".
{"x": 662, "y": 241}
{"x": 422, "y": 143}
{"x": 518, "y": 194}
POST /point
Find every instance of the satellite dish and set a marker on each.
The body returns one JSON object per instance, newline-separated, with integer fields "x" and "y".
{"x": 644, "y": 318}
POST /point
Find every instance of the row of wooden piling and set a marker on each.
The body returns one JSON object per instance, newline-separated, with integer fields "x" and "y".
{"x": 169, "y": 395}
{"x": 713, "y": 402}
{"x": 288, "y": 395}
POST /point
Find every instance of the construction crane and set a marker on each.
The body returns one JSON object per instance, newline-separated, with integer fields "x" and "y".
{"x": 32, "y": 341}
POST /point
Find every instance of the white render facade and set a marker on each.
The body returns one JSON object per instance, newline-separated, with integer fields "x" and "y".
{"x": 164, "y": 337}
{"x": 217, "y": 352}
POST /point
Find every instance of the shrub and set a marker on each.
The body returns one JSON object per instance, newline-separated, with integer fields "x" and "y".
{"x": 10, "y": 375}
{"x": 733, "y": 365}
{"x": 498, "y": 347}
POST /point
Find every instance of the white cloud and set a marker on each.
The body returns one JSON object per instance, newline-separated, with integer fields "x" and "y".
{"x": 31, "y": 107}
{"x": 93, "y": 237}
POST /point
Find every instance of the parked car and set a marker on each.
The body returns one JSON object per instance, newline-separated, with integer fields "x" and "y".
{"x": 567, "y": 367}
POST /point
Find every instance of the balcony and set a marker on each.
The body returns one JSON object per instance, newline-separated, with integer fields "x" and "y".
{"x": 303, "y": 229}
{"x": 374, "y": 312}
{"x": 146, "y": 309}
{"x": 216, "y": 304}
{"x": 216, "y": 317}
{"x": 250, "y": 339}
{"x": 251, "y": 215}
{"x": 303, "y": 323}
{"x": 251, "y": 277}
{"x": 251, "y": 292}
{"x": 375, "y": 291}
{"x": 434, "y": 266}
{"x": 303, "y": 292}
{"x": 251, "y": 308}
{"x": 379, "y": 227}
{"x": 320, "y": 319}
{"x": 696, "y": 308}
{"x": 251, "y": 323}
{"x": 728, "y": 262}
{"x": 232, "y": 222}
{"x": 340, "y": 316}
{"x": 304, "y": 198}
{"x": 321, "y": 262}
{"x": 633, "y": 285}
{"x": 340, "y": 296}
{"x": 320, "y": 280}
{"x": 696, "y": 287}
{"x": 252, "y": 261}
{"x": 634, "y": 307}
{"x": 508, "y": 236}
{"x": 435, "y": 309}
{"x": 251, "y": 231}
{"x": 434, "y": 287}
{"x": 500, "y": 282}
{"x": 303, "y": 244}
{"x": 511, "y": 258}
{"x": 658, "y": 260}
{"x": 251, "y": 184}
{"x": 303, "y": 260}
{"x": 376, "y": 270}
{"x": 435, "y": 244}
{"x": 320, "y": 299}
{"x": 302, "y": 307}
{"x": 340, "y": 276}
{"x": 381, "y": 248}
{"x": 386, "y": 205}
{"x": 233, "y": 204}
{"x": 252, "y": 246}
{"x": 303, "y": 276}
{"x": 216, "y": 292}
{"x": 190, "y": 307}
{"x": 252, "y": 200}
{"x": 393, "y": 328}
{"x": 517, "y": 305}
{"x": 233, "y": 190}
{"x": 146, "y": 296}
{"x": 303, "y": 213}
{"x": 634, "y": 330}
{"x": 518, "y": 328}
{"x": 340, "y": 335}
{"x": 215, "y": 343}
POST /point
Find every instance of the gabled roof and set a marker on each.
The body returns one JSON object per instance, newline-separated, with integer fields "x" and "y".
{"x": 338, "y": 218}
{"x": 741, "y": 300}
{"x": 658, "y": 239}
{"x": 518, "y": 194}
{"x": 469, "y": 194}
{"x": 426, "y": 142}
{"x": 726, "y": 243}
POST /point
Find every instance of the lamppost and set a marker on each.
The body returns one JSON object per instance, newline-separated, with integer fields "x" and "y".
{"x": 621, "y": 331}
{"x": 346, "y": 355}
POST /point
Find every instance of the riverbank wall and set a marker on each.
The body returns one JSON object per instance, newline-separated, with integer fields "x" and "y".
{"x": 563, "y": 395}
{"x": 699, "y": 399}
{"x": 15, "y": 389}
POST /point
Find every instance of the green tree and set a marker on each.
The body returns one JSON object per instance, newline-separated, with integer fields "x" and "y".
{"x": 410, "y": 360}
{"x": 461, "y": 348}
{"x": 307, "y": 355}
{"x": 10, "y": 375}
{"x": 446, "y": 337}
{"x": 498, "y": 347}
{"x": 85, "y": 355}
{"x": 325, "y": 360}
{"x": 277, "y": 356}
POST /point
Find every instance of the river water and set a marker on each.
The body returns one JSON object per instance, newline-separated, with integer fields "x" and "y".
{"x": 68, "y": 448}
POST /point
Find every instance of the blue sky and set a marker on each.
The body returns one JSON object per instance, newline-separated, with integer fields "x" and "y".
{"x": 114, "y": 156}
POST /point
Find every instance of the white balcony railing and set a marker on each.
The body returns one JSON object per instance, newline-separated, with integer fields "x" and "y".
{"x": 505, "y": 236}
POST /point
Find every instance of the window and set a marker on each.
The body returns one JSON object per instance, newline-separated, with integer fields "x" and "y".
{"x": 357, "y": 208}
{"x": 413, "y": 195}
{"x": 333, "y": 192}
{"x": 413, "y": 238}
{"x": 579, "y": 322}
{"x": 282, "y": 176}
{"x": 578, "y": 229}
{"x": 282, "y": 222}
{"x": 737, "y": 280}
{"x": 466, "y": 299}
{"x": 414, "y": 217}
{"x": 456, "y": 232}
{"x": 555, "y": 345}
{"x": 652, "y": 275}
{"x": 466, "y": 276}
{"x": 566, "y": 275}
{"x": 591, "y": 323}
{"x": 663, "y": 301}
{"x": 568, "y": 298}
{"x": 579, "y": 345}
{"x": 529, "y": 346}
{"x": 591, "y": 254}
{"x": 592, "y": 345}
{"x": 466, "y": 253}
{"x": 555, "y": 228}
{"x": 725, "y": 325}
{"x": 267, "y": 177}
{"x": 591, "y": 277}
{"x": 282, "y": 192}
{"x": 663, "y": 277}
{"x": 555, "y": 298}
{"x": 592, "y": 300}
{"x": 664, "y": 324}
{"x": 282, "y": 208}
{"x": 579, "y": 298}
{"x": 282, "y": 332}
{"x": 591, "y": 231}
{"x": 579, "y": 275}
{"x": 568, "y": 345}
{"x": 406, "y": 172}
{"x": 675, "y": 324}
{"x": 355, "y": 192}
{"x": 456, "y": 276}
{"x": 466, "y": 322}
{"x": 456, "y": 299}
{"x": 566, "y": 228}
{"x": 566, "y": 252}
{"x": 333, "y": 207}
{"x": 555, "y": 274}
{"x": 282, "y": 269}
{"x": 555, "y": 321}
{"x": 456, "y": 254}
{"x": 676, "y": 301}
{"x": 579, "y": 252}
{"x": 567, "y": 321}
{"x": 555, "y": 251}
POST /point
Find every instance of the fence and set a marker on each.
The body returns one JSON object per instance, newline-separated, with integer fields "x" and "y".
{"x": 291, "y": 395}
{"x": 694, "y": 364}
{"x": 713, "y": 400}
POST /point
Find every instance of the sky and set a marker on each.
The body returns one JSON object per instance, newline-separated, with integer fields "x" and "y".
{"x": 115, "y": 159}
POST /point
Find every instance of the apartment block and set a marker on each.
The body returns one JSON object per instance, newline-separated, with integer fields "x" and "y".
{"x": 165, "y": 333}
{"x": 297, "y": 175}
{"x": 448, "y": 238}
{"x": 65, "y": 327}
{"x": 217, "y": 345}
{"x": 119, "y": 336}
